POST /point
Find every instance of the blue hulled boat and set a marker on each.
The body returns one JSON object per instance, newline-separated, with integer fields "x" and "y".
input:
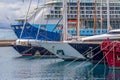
{"x": 30, "y": 32}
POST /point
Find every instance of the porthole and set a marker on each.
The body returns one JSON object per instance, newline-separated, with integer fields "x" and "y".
{"x": 27, "y": 27}
{"x": 17, "y": 27}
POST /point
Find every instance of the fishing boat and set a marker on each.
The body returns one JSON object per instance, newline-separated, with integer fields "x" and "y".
{"x": 111, "y": 51}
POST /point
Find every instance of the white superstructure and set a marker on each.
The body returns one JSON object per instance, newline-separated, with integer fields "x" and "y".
{"x": 112, "y": 35}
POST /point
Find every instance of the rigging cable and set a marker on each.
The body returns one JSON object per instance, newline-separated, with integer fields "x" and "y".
{"x": 46, "y": 25}
{"x": 25, "y": 19}
{"x": 101, "y": 59}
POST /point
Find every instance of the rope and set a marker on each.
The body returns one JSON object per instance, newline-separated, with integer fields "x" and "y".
{"x": 84, "y": 61}
{"x": 27, "y": 50}
{"x": 79, "y": 58}
{"x": 114, "y": 62}
{"x": 91, "y": 50}
{"x": 84, "y": 55}
{"x": 74, "y": 60}
{"x": 105, "y": 68}
{"x": 100, "y": 60}
{"x": 25, "y": 19}
{"x": 38, "y": 30}
{"x": 44, "y": 53}
{"x": 57, "y": 23}
{"x": 99, "y": 51}
{"x": 45, "y": 37}
{"x": 46, "y": 24}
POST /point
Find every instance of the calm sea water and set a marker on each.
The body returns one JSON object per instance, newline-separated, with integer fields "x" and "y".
{"x": 14, "y": 67}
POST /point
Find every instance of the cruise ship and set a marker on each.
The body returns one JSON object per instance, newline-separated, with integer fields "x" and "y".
{"x": 93, "y": 17}
{"x": 49, "y": 16}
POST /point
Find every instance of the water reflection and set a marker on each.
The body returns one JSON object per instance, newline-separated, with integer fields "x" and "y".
{"x": 32, "y": 68}
{"x": 57, "y": 69}
{"x": 113, "y": 75}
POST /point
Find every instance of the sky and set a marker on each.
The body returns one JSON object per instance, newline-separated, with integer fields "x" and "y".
{"x": 12, "y": 9}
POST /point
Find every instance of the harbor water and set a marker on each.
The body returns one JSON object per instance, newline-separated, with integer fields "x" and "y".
{"x": 15, "y": 67}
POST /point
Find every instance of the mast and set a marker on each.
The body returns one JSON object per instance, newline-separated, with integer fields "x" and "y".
{"x": 64, "y": 33}
{"x": 101, "y": 19}
{"x": 94, "y": 17}
{"x": 108, "y": 16}
{"x": 78, "y": 19}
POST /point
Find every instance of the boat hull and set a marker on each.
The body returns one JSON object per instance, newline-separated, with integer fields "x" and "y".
{"x": 89, "y": 50}
{"x": 32, "y": 51}
{"x": 73, "y": 51}
{"x": 111, "y": 51}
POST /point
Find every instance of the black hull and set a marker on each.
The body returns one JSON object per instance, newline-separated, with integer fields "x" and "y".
{"x": 32, "y": 51}
{"x": 91, "y": 51}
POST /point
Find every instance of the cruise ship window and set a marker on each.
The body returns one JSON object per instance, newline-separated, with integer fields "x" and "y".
{"x": 59, "y": 12}
{"x": 104, "y": 8}
{"x": 91, "y": 16}
{"x": 82, "y": 12}
{"x": 51, "y": 16}
{"x": 71, "y": 8}
{"x": 110, "y": 4}
{"x": 111, "y": 8}
{"x": 74, "y": 4}
{"x": 68, "y": 31}
{"x": 56, "y": 12}
{"x": 98, "y": 12}
{"x": 81, "y": 8}
{"x": 117, "y": 8}
{"x": 88, "y": 12}
{"x": 75, "y": 16}
{"x": 60, "y": 16}
{"x": 83, "y": 31}
{"x": 82, "y": 16}
{"x": 56, "y": 8}
{"x": 56, "y": 16}
{"x": 104, "y": 12}
{"x": 52, "y": 11}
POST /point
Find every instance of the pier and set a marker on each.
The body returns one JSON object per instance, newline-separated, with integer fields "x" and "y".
{"x": 4, "y": 43}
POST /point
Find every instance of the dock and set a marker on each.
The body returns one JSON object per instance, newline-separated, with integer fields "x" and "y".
{"x": 5, "y": 43}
